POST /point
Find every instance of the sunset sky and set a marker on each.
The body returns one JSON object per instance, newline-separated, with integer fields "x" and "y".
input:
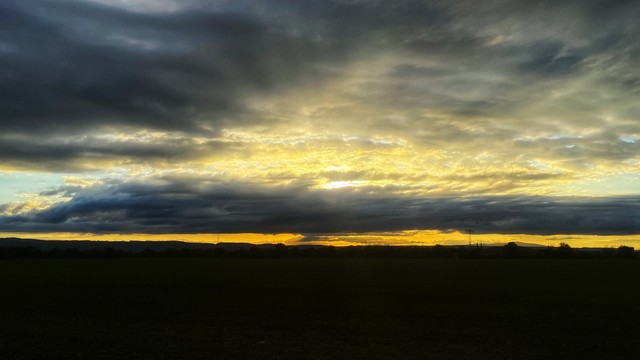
{"x": 334, "y": 122}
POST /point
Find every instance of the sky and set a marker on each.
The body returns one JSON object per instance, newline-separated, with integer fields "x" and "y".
{"x": 334, "y": 122}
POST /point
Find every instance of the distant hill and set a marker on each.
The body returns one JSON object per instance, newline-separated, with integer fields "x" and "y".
{"x": 85, "y": 245}
{"x": 134, "y": 246}
{"x": 35, "y": 248}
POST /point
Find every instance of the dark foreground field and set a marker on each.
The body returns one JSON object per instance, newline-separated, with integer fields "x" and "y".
{"x": 319, "y": 309}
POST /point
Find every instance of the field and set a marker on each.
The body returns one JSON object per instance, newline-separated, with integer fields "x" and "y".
{"x": 161, "y": 308}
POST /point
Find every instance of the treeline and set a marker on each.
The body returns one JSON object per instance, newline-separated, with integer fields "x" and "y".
{"x": 508, "y": 251}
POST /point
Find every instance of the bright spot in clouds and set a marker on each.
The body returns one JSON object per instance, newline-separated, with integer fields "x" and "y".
{"x": 342, "y": 184}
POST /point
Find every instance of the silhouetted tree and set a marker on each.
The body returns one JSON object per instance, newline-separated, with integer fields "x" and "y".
{"x": 564, "y": 250}
{"x": 626, "y": 252}
{"x": 511, "y": 250}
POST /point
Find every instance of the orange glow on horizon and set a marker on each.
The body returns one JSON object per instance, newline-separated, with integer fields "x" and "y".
{"x": 400, "y": 238}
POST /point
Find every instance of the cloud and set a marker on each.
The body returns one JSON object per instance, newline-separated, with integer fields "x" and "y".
{"x": 97, "y": 151}
{"x": 471, "y": 108}
{"x": 77, "y": 65}
{"x": 74, "y": 65}
{"x": 186, "y": 206}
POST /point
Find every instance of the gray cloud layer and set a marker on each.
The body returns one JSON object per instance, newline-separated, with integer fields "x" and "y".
{"x": 74, "y": 65}
{"x": 190, "y": 206}
{"x": 70, "y": 64}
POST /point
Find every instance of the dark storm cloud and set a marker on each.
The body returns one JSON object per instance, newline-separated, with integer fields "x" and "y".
{"x": 72, "y": 65}
{"x": 92, "y": 153}
{"x": 185, "y": 206}
{"x": 75, "y": 65}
